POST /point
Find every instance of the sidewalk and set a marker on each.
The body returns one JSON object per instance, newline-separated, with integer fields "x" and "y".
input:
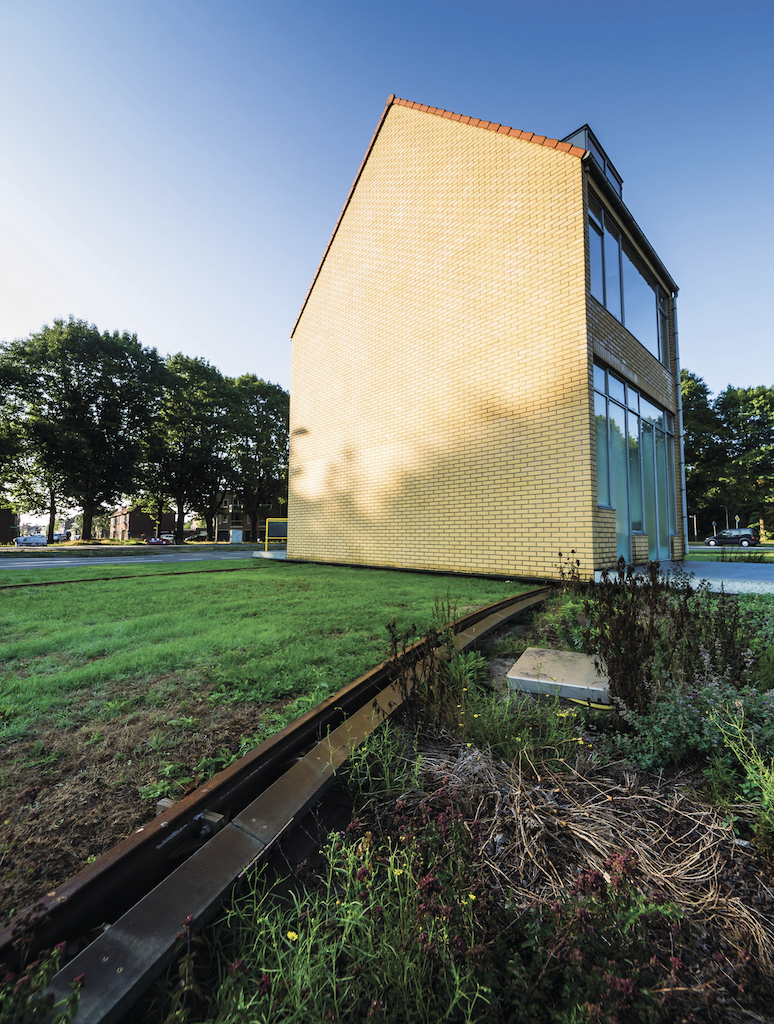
{"x": 733, "y": 577}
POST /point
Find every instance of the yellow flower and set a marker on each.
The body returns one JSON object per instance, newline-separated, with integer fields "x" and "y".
{"x": 292, "y": 936}
{"x": 398, "y": 871}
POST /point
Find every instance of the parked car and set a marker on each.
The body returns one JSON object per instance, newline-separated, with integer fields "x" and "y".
{"x": 158, "y": 540}
{"x": 745, "y": 538}
{"x": 33, "y": 539}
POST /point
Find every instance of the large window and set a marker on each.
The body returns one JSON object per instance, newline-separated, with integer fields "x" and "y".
{"x": 635, "y": 466}
{"x": 623, "y": 285}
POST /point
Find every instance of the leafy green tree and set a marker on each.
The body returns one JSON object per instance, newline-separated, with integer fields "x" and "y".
{"x": 705, "y": 453}
{"x": 85, "y": 400}
{"x": 729, "y": 451}
{"x": 259, "y": 445}
{"x": 185, "y": 454}
{"x": 747, "y": 415}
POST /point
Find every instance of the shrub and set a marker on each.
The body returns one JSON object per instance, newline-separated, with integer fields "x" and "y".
{"x": 683, "y": 723}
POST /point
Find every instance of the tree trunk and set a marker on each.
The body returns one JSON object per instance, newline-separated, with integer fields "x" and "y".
{"x": 208, "y": 521}
{"x": 51, "y": 516}
{"x": 88, "y": 518}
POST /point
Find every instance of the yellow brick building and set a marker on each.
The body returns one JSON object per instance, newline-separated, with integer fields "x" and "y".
{"x": 468, "y": 392}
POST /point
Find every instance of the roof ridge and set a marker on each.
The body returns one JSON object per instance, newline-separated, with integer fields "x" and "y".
{"x": 501, "y": 129}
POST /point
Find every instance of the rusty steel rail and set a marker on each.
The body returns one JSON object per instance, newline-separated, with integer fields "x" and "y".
{"x": 185, "y": 862}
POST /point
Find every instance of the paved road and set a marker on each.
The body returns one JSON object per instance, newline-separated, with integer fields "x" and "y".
{"x": 733, "y": 577}
{"x": 79, "y": 562}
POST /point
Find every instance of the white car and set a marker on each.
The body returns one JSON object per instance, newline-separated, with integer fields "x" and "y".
{"x": 33, "y": 539}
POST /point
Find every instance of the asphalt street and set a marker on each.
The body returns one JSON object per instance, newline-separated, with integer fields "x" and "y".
{"x": 154, "y": 558}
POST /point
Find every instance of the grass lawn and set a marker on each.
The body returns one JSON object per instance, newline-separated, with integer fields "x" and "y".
{"x": 117, "y": 692}
{"x": 514, "y": 861}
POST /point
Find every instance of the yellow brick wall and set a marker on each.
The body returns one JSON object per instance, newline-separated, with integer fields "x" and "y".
{"x": 640, "y": 548}
{"x": 440, "y": 409}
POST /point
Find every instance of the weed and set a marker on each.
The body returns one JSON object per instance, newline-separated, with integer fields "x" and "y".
{"x": 568, "y": 569}
{"x": 23, "y": 997}
{"x": 653, "y": 629}
{"x": 593, "y": 950}
{"x": 682, "y": 723}
{"x": 758, "y": 771}
{"x": 170, "y": 781}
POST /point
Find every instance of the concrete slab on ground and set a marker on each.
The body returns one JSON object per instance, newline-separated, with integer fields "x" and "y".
{"x": 560, "y": 673}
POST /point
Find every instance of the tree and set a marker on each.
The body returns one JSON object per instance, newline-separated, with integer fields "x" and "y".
{"x": 185, "y": 458}
{"x": 705, "y": 454}
{"x": 259, "y": 445}
{"x": 748, "y": 475}
{"x": 729, "y": 449}
{"x": 87, "y": 399}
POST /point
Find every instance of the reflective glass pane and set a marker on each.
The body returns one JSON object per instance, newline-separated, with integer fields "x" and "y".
{"x": 603, "y": 460}
{"x": 595, "y": 259}
{"x": 662, "y": 496}
{"x": 632, "y": 399}
{"x": 615, "y": 388}
{"x": 597, "y": 153}
{"x": 663, "y": 337}
{"x": 639, "y": 305}
{"x": 650, "y": 412}
{"x": 618, "y": 475}
{"x": 613, "y": 178}
{"x": 671, "y": 492}
{"x": 599, "y": 378}
{"x": 595, "y": 210}
{"x": 635, "y": 490}
{"x": 612, "y": 273}
{"x": 649, "y": 489}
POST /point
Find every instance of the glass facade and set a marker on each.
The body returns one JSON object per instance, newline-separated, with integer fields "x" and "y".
{"x": 635, "y": 464}
{"x": 623, "y": 285}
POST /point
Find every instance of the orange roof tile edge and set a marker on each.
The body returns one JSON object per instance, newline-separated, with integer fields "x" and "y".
{"x": 502, "y": 129}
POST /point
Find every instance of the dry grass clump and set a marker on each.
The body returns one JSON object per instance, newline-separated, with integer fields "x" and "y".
{"x": 542, "y": 828}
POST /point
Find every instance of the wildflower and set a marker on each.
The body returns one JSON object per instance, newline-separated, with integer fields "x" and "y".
{"x": 293, "y": 936}
{"x": 398, "y": 871}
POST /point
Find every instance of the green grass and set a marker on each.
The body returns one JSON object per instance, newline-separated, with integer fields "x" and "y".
{"x": 269, "y": 632}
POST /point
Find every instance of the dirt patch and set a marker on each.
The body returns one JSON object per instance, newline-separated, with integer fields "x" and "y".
{"x": 74, "y": 792}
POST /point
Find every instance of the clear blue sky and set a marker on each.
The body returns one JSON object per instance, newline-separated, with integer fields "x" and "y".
{"x": 174, "y": 168}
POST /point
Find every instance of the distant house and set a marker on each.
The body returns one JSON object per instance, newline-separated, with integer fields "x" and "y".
{"x": 133, "y": 524}
{"x": 9, "y": 526}
{"x": 233, "y": 524}
{"x": 485, "y": 370}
